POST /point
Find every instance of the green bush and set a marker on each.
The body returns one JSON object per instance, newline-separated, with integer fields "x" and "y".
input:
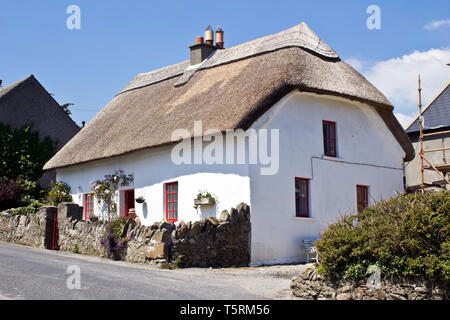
{"x": 32, "y": 208}
{"x": 407, "y": 236}
{"x": 59, "y": 192}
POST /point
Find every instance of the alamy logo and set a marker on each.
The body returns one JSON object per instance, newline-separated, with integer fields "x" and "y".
{"x": 74, "y": 280}
{"x": 74, "y": 20}
{"x": 212, "y": 147}
{"x": 374, "y": 20}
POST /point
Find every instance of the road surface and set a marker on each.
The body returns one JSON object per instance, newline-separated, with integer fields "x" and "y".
{"x": 30, "y": 273}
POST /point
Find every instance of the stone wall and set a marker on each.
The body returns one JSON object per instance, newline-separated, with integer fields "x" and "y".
{"x": 311, "y": 286}
{"x": 83, "y": 236}
{"x": 214, "y": 242}
{"x": 33, "y": 230}
{"x": 222, "y": 242}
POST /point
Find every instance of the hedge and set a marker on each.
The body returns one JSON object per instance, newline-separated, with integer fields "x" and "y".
{"x": 406, "y": 236}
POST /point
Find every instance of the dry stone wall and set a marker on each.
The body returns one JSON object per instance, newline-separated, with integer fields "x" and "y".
{"x": 222, "y": 242}
{"x": 311, "y": 286}
{"x": 33, "y": 230}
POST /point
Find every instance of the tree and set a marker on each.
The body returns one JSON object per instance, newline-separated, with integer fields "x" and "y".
{"x": 66, "y": 108}
{"x": 23, "y": 154}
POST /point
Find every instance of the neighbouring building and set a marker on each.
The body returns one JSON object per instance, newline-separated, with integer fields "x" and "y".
{"x": 436, "y": 121}
{"x": 28, "y": 103}
{"x": 340, "y": 147}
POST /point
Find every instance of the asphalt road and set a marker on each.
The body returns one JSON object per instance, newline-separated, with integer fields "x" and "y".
{"x": 30, "y": 273}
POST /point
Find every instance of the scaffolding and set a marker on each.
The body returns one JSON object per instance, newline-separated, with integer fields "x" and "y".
{"x": 441, "y": 169}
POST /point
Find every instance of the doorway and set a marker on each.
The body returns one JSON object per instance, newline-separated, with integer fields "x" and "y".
{"x": 129, "y": 201}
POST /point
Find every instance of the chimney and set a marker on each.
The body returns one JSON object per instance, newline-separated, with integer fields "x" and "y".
{"x": 201, "y": 50}
{"x": 219, "y": 37}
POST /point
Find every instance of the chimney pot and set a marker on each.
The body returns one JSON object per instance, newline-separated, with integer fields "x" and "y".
{"x": 198, "y": 40}
{"x": 209, "y": 36}
{"x": 219, "y": 37}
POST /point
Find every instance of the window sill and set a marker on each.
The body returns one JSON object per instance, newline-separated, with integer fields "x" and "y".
{"x": 332, "y": 158}
{"x": 304, "y": 219}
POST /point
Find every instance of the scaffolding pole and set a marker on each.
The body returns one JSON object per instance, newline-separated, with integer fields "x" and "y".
{"x": 422, "y": 152}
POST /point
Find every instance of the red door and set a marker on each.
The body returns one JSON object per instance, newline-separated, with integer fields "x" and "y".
{"x": 129, "y": 201}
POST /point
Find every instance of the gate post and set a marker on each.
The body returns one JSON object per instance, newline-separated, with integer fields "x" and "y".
{"x": 49, "y": 224}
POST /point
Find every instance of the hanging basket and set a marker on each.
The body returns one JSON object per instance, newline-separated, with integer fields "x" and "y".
{"x": 140, "y": 200}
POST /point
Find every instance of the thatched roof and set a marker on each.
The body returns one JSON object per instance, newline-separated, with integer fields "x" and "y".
{"x": 229, "y": 90}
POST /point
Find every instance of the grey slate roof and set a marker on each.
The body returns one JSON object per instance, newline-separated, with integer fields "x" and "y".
{"x": 437, "y": 113}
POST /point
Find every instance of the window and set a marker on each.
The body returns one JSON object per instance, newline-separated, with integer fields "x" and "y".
{"x": 362, "y": 196}
{"x": 301, "y": 198}
{"x": 88, "y": 205}
{"x": 172, "y": 201}
{"x": 329, "y": 138}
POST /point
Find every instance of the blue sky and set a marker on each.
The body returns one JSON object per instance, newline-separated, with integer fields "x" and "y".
{"x": 119, "y": 39}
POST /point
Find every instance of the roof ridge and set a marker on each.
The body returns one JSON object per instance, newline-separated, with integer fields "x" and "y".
{"x": 297, "y": 36}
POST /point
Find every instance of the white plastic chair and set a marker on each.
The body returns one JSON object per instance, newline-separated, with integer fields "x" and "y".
{"x": 310, "y": 250}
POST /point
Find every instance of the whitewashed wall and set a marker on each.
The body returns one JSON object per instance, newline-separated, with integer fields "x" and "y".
{"x": 152, "y": 169}
{"x": 368, "y": 154}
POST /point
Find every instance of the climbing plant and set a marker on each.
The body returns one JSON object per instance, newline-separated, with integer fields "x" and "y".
{"x": 105, "y": 190}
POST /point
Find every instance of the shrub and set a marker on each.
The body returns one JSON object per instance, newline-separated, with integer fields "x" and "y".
{"x": 59, "y": 192}
{"x": 112, "y": 239}
{"x": 407, "y": 236}
{"x": 32, "y": 208}
{"x": 10, "y": 194}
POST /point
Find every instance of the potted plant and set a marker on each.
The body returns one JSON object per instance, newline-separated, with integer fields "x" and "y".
{"x": 140, "y": 199}
{"x": 204, "y": 198}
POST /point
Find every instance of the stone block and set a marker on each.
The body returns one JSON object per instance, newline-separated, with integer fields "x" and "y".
{"x": 70, "y": 211}
{"x": 162, "y": 236}
{"x": 170, "y": 226}
{"x": 157, "y": 251}
{"x": 224, "y": 216}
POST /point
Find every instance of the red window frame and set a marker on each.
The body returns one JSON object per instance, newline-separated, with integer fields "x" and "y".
{"x": 88, "y": 205}
{"x": 362, "y": 197}
{"x": 171, "y": 214}
{"x": 299, "y": 198}
{"x": 329, "y": 143}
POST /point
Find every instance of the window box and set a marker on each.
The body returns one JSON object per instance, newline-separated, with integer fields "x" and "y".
{"x": 204, "y": 201}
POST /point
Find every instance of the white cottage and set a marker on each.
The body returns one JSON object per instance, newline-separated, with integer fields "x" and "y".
{"x": 320, "y": 141}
